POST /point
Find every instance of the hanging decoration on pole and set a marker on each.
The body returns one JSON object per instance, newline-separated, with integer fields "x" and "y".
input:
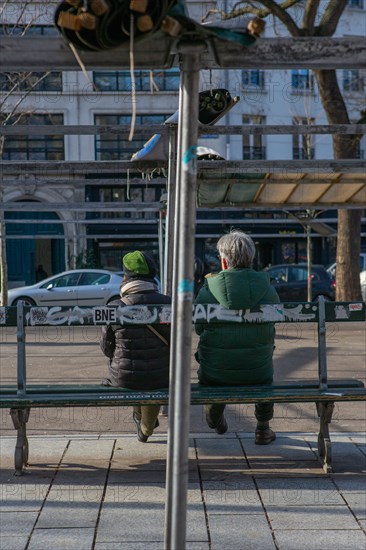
{"x": 213, "y": 105}
{"x": 95, "y": 25}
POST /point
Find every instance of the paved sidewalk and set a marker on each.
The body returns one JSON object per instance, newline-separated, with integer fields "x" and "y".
{"x": 107, "y": 492}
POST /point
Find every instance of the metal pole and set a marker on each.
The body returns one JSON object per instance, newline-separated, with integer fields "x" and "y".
{"x": 322, "y": 345}
{"x": 161, "y": 246}
{"x": 170, "y": 211}
{"x": 21, "y": 366}
{"x": 173, "y": 340}
{"x": 179, "y": 438}
{"x": 308, "y": 247}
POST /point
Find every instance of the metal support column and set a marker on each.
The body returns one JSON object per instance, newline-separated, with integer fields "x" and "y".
{"x": 170, "y": 211}
{"x": 177, "y": 467}
{"x": 21, "y": 365}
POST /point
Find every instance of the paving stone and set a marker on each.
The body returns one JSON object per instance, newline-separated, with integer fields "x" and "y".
{"x": 12, "y": 525}
{"x": 95, "y": 451}
{"x": 356, "y": 483}
{"x": 133, "y": 522}
{"x": 236, "y": 531}
{"x": 145, "y": 503}
{"x": 286, "y": 448}
{"x": 44, "y": 457}
{"x": 311, "y": 517}
{"x": 357, "y": 503}
{"x": 120, "y": 545}
{"x": 320, "y": 539}
{"x": 223, "y": 472}
{"x": 285, "y": 467}
{"x": 71, "y": 506}
{"x": 22, "y": 496}
{"x": 222, "y": 497}
{"x": 219, "y": 449}
{"x": 13, "y": 542}
{"x": 300, "y": 491}
{"x": 346, "y": 456}
{"x": 193, "y": 545}
{"x": 62, "y": 539}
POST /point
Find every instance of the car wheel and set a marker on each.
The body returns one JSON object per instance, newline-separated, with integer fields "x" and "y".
{"x": 27, "y": 301}
{"x": 113, "y": 299}
{"x": 326, "y": 298}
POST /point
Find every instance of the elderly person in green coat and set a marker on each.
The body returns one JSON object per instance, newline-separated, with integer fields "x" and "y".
{"x": 237, "y": 354}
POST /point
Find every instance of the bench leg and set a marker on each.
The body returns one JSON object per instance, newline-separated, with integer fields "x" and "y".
{"x": 20, "y": 419}
{"x": 325, "y": 412}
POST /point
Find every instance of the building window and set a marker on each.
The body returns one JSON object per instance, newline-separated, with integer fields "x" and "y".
{"x": 352, "y": 80}
{"x": 356, "y": 4}
{"x": 302, "y": 144}
{"x": 35, "y": 82}
{"x": 135, "y": 193}
{"x": 302, "y": 80}
{"x": 253, "y": 147}
{"x": 30, "y": 147}
{"x": 113, "y": 147}
{"x": 145, "y": 81}
{"x": 252, "y": 78}
{"x": 20, "y": 30}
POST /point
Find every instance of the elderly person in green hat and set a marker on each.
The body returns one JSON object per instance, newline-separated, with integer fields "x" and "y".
{"x": 237, "y": 354}
{"x": 139, "y": 355}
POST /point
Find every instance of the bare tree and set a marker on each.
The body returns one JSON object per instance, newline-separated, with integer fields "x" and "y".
{"x": 15, "y": 88}
{"x": 322, "y": 20}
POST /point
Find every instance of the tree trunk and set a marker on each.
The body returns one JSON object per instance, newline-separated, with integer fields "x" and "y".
{"x": 349, "y": 221}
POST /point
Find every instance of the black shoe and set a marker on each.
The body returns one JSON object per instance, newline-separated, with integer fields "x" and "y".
{"x": 140, "y": 435}
{"x": 264, "y": 437}
{"x": 221, "y": 427}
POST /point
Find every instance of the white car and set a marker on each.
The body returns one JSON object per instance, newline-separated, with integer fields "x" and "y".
{"x": 79, "y": 287}
{"x": 332, "y": 271}
{"x": 332, "y": 267}
{"x": 363, "y": 284}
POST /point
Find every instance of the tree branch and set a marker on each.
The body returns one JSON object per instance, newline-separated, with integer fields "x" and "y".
{"x": 331, "y": 16}
{"x": 22, "y": 98}
{"x": 270, "y": 8}
{"x": 308, "y": 20}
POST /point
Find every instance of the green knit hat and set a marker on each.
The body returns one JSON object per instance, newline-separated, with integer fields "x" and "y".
{"x": 137, "y": 265}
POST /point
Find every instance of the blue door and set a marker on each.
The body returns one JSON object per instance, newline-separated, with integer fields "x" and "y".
{"x": 25, "y": 254}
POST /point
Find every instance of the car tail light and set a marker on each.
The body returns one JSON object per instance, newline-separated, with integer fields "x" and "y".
{"x": 333, "y": 284}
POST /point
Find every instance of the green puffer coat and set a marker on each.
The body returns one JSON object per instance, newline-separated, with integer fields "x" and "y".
{"x": 236, "y": 354}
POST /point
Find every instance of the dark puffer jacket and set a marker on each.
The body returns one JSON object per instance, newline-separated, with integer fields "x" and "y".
{"x": 139, "y": 359}
{"x": 236, "y": 354}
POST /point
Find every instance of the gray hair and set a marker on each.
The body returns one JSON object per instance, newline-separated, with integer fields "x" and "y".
{"x": 237, "y": 248}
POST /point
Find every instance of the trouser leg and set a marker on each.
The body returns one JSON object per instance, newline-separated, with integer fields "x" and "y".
{"x": 148, "y": 415}
{"x": 214, "y": 413}
{"x": 263, "y": 412}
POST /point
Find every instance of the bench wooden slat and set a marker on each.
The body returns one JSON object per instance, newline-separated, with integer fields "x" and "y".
{"x": 254, "y": 394}
{"x": 96, "y": 388}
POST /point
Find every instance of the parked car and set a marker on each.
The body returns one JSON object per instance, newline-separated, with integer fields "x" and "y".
{"x": 81, "y": 287}
{"x": 290, "y": 281}
{"x": 332, "y": 267}
{"x": 363, "y": 284}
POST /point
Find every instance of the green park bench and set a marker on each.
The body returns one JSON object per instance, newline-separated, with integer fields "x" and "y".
{"x": 22, "y": 397}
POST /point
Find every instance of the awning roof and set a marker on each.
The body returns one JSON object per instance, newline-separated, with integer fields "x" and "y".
{"x": 273, "y": 190}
